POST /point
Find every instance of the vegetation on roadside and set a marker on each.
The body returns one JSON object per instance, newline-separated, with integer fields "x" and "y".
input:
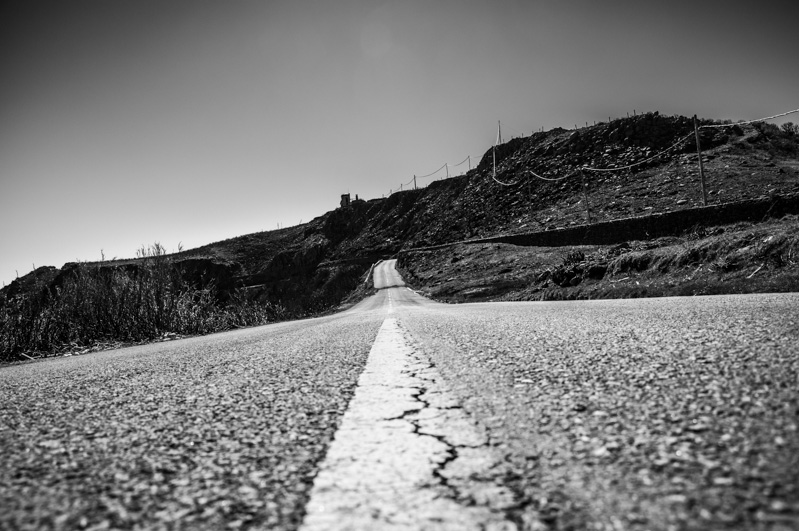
{"x": 88, "y": 305}
{"x": 318, "y": 267}
{"x": 739, "y": 258}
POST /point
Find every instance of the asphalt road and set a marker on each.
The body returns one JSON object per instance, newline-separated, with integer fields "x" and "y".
{"x": 677, "y": 413}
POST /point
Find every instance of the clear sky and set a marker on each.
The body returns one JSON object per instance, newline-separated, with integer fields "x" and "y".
{"x": 126, "y": 122}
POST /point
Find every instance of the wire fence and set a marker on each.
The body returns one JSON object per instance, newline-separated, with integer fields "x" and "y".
{"x": 444, "y": 167}
{"x": 671, "y": 151}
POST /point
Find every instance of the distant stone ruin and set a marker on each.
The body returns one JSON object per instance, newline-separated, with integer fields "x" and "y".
{"x": 347, "y": 201}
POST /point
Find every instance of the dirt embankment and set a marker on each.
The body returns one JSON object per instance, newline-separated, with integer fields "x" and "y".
{"x": 546, "y": 185}
{"x": 738, "y": 258}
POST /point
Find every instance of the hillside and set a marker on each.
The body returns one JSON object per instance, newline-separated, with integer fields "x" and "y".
{"x": 311, "y": 268}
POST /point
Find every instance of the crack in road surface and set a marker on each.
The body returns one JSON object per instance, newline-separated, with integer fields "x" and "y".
{"x": 406, "y": 456}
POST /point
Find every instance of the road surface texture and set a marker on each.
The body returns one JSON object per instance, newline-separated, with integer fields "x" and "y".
{"x": 402, "y": 413}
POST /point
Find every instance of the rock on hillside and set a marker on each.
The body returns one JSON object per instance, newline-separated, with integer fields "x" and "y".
{"x": 311, "y": 267}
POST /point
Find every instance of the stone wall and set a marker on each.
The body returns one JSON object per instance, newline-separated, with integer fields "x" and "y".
{"x": 655, "y": 225}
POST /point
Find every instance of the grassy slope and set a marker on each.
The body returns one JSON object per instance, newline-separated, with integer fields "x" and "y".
{"x": 739, "y": 258}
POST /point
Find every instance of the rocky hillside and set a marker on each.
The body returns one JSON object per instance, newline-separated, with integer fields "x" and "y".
{"x": 312, "y": 267}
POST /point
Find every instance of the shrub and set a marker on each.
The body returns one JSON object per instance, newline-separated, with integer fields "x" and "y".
{"x": 767, "y": 129}
{"x": 634, "y": 261}
{"x": 93, "y": 303}
{"x": 574, "y": 256}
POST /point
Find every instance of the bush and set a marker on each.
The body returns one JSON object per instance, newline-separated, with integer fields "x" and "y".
{"x": 93, "y": 303}
{"x": 767, "y": 129}
{"x": 574, "y": 256}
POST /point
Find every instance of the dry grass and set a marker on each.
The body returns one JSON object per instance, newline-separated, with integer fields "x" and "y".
{"x": 740, "y": 258}
{"x": 91, "y": 305}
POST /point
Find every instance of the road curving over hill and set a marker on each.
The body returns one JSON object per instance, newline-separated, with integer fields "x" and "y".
{"x": 386, "y": 275}
{"x": 674, "y": 413}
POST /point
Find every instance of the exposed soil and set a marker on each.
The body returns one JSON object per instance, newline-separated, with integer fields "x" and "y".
{"x": 739, "y": 258}
{"x": 548, "y": 184}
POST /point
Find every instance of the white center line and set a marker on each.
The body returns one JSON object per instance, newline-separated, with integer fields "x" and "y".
{"x": 406, "y": 456}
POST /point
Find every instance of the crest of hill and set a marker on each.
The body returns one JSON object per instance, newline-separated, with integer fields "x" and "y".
{"x": 537, "y": 186}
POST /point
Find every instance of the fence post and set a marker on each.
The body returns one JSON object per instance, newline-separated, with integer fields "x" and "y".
{"x": 585, "y": 197}
{"x": 414, "y": 182}
{"x": 701, "y": 166}
{"x": 494, "y": 158}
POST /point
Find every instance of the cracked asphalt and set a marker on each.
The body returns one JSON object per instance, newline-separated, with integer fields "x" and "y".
{"x": 405, "y": 455}
{"x": 661, "y": 414}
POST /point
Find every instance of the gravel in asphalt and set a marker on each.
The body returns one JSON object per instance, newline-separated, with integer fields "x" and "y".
{"x": 650, "y": 414}
{"x": 676, "y": 413}
{"x": 222, "y": 432}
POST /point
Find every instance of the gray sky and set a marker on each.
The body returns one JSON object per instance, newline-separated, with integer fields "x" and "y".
{"x": 127, "y": 122}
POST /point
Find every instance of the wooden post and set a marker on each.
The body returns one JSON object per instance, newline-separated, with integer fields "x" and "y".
{"x": 469, "y": 158}
{"x": 701, "y": 165}
{"x": 414, "y": 183}
{"x": 530, "y": 194}
{"x": 494, "y": 157}
{"x": 585, "y": 196}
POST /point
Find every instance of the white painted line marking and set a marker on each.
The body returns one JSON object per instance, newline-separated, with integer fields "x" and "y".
{"x": 406, "y": 456}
